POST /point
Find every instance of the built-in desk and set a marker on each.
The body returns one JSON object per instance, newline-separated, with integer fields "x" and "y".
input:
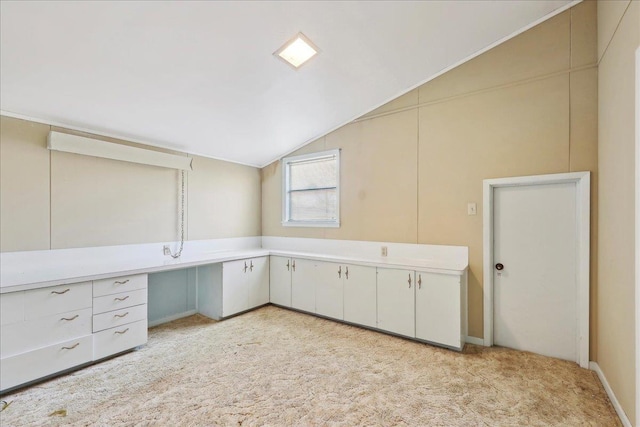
{"x": 95, "y": 301}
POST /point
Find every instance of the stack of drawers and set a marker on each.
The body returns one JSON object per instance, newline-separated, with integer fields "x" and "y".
{"x": 119, "y": 314}
{"x": 44, "y": 331}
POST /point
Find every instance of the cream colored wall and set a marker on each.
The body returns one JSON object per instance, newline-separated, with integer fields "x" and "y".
{"x": 618, "y": 39}
{"x": 54, "y": 200}
{"x": 409, "y": 168}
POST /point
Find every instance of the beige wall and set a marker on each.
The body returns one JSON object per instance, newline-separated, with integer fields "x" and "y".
{"x": 618, "y": 38}
{"x": 54, "y": 200}
{"x": 409, "y": 168}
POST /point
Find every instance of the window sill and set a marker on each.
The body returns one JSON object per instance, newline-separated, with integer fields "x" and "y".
{"x": 311, "y": 224}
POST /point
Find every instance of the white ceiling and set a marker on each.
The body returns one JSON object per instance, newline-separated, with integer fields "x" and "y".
{"x": 200, "y": 76}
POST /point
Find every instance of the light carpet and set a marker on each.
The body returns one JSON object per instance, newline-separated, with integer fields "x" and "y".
{"x": 278, "y": 367}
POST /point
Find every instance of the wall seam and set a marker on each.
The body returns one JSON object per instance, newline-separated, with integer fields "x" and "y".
{"x": 570, "y": 75}
{"x": 604, "y": 52}
{"x": 418, "y": 171}
{"x": 480, "y": 91}
{"x": 50, "y": 199}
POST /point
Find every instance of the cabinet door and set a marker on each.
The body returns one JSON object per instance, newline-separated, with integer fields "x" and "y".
{"x": 438, "y": 310}
{"x": 235, "y": 292}
{"x": 396, "y": 301}
{"x": 360, "y": 295}
{"x": 280, "y": 280}
{"x": 303, "y": 296}
{"x": 329, "y": 294}
{"x": 258, "y": 281}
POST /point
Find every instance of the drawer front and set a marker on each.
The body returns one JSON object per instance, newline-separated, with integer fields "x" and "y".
{"x": 57, "y": 299}
{"x": 45, "y": 361}
{"x": 119, "y": 317}
{"x": 115, "y": 340}
{"x": 11, "y": 307}
{"x": 118, "y": 301}
{"x": 118, "y": 285}
{"x": 37, "y": 333}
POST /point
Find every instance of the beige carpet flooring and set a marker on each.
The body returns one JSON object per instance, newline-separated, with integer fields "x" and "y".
{"x": 278, "y": 367}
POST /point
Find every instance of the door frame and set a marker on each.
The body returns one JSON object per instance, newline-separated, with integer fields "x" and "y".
{"x": 583, "y": 185}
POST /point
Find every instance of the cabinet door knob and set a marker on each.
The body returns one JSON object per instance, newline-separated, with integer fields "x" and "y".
{"x": 245, "y": 267}
{"x": 339, "y": 272}
{"x": 419, "y": 281}
{"x": 251, "y": 266}
{"x": 409, "y": 279}
{"x": 287, "y": 265}
{"x": 346, "y": 272}
{"x": 293, "y": 265}
{"x": 499, "y": 267}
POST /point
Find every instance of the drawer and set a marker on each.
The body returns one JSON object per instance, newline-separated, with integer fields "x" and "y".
{"x": 119, "y": 317}
{"x": 25, "y": 367}
{"x": 57, "y": 299}
{"x": 37, "y": 333}
{"x": 118, "y": 301}
{"x": 11, "y": 307}
{"x": 117, "y": 285}
{"x": 116, "y": 340}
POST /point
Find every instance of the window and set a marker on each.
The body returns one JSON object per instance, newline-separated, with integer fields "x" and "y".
{"x": 311, "y": 190}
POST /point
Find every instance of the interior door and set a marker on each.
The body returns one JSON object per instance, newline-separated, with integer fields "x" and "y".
{"x": 535, "y": 260}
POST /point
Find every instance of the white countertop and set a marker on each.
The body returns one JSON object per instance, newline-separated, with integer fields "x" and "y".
{"x": 30, "y": 271}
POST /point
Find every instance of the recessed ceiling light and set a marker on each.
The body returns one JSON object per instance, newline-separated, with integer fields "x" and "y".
{"x": 297, "y": 51}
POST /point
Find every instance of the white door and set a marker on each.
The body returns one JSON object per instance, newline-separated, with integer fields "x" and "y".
{"x": 438, "y": 309}
{"x": 235, "y": 292}
{"x": 396, "y": 301}
{"x": 535, "y": 259}
{"x": 329, "y": 295}
{"x": 258, "y": 283}
{"x": 303, "y": 294}
{"x": 360, "y": 295}
{"x": 280, "y": 280}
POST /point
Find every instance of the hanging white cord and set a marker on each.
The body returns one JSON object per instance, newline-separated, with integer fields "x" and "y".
{"x": 177, "y": 255}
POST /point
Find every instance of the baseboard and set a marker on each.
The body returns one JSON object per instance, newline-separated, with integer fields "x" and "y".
{"x": 623, "y": 417}
{"x": 474, "y": 340}
{"x": 171, "y": 318}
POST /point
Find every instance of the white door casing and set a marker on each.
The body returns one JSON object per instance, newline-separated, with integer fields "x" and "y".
{"x": 580, "y": 183}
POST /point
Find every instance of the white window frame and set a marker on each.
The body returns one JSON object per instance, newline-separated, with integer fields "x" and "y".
{"x": 285, "y": 190}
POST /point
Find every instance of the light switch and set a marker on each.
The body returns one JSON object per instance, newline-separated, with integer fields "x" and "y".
{"x": 472, "y": 209}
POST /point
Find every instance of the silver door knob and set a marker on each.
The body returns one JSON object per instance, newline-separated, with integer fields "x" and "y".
{"x": 499, "y": 267}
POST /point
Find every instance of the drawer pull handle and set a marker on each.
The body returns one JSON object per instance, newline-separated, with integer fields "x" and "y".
{"x": 121, "y": 299}
{"x": 72, "y": 347}
{"x": 121, "y": 332}
{"x": 61, "y": 292}
{"x": 121, "y": 315}
{"x": 68, "y": 319}
{"x": 121, "y": 283}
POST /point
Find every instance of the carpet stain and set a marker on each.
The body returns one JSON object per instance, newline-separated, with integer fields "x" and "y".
{"x": 278, "y": 367}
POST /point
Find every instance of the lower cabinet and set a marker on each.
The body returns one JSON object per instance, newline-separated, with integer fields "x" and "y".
{"x": 396, "y": 301}
{"x": 280, "y": 280}
{"x": 360, "y": 296}
{"x": 233, "y": 287}
{"x": 328, "y": 282}
{"x": 439, "y": 309}
{"x": 303, "y": 285}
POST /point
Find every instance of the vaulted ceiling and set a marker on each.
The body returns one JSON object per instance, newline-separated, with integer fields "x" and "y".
{"x": 200, "y": 77}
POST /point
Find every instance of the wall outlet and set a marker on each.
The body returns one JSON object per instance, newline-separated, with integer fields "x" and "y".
{"x": 472, "y": 209}
{"x": 383, "y": 251}
{"x": 166, "y": 250}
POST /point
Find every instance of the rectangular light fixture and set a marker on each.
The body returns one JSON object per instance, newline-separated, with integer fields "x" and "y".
{"x": 75, "y": 144}
{"x": 297, "y": 51}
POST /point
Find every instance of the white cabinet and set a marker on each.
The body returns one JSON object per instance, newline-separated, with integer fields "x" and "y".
{"x": 360, "y": 295}
{"x": 119, "y": 314}
{"x": 44, "y": 331}
{"x": 303, "y": 285}
{"x": 396, "y": 301}
{"x": 329, "y": 289}
{"x": 233, "y": 287}
{"x": 280, "y": 280}
{"x": 439, "y": 304}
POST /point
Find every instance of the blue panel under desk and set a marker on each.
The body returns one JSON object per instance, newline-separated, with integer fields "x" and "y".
{"x": 171, "y": 294}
